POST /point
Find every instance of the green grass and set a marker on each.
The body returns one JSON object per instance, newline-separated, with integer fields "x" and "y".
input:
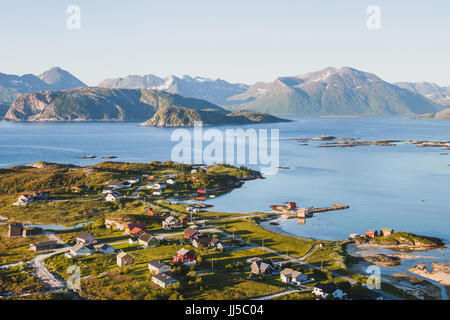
{"x": 232, "y": 286}
{"x": 250, "y": 231}
{"x": 13, "y": 250}
{"x": 406, "y": 238}
{"x": 19, "y": 280}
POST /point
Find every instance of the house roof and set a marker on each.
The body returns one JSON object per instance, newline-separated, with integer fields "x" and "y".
{"x": 203, "y": 241}
{"x": 387, "y": 229}
{"x": 136, "y": 230}
{"x": 327, "y": 287}
{"x": 105, "y": 246}
{"x": 214, "y": 240}
{"x": 190, "y": 231}
{"x": 84, "y": 235}
{"x": 371, "y": 231}
{"x": 171, "y": 219}
{"x": 263, "y": 265}
{"x": 290, "y": 272}
{"x": 183, "y": 251}
{"x": 80, "y": 246}
{"x": 164, "y": 278}
{"x": 157, "y": 264}
{"x": 44, "y": 244}
{"x": 122, "y": 255}
{"x": 145, "y": 237}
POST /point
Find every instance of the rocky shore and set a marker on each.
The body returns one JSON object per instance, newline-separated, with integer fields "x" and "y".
{"x": 439, "y": 272}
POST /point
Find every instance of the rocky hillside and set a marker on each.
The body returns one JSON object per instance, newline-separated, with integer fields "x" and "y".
{"x": 3, "y": 109}
{"x": 13, "y": 86}
{"x": 59, "y": 79}
{"x": 101, "y": 104}
{"x": 333, "y": 91}
{"x": 216, "y": 91}
{"x": 186, "y": 117}
{"x": 444, "y": 114}
{"x": 429, "y": 90}
{"x": 85, "y": 104}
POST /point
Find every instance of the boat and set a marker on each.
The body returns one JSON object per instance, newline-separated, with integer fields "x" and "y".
{"x": 274, "y": 223}
{"x": 91, "y": 156}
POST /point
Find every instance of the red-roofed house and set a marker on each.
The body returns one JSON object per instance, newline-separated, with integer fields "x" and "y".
{"x": 291, "y": 205}
{"x": 184, "y": 256}
{"x": 372, "y": 233}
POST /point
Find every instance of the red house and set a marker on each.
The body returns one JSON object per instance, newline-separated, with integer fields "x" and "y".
{"x": 201, "y": 191}
{"x": 136, "y": 232}
{"x": 191, "y": 232}
{"x": 372, "y": 233}
{"x": 291, "y": 205}
{"x": 184, "y": 256}
{"x": 130, "y": 226}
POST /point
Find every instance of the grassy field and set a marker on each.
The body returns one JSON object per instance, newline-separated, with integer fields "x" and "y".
{"x": 250, "y": 231}
{"x": 19, "y": 280}
{"x": 13, "y": 250}
{"x": 66, "y": 207}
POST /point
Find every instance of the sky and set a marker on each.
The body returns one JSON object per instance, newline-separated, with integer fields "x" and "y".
{"x": 239, "y": 41}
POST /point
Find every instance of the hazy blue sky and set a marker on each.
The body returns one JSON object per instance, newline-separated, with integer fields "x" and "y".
{"x": 239, "y": 41}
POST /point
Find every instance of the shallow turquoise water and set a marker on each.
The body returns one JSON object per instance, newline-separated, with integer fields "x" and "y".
{"x": 384, "y": 186}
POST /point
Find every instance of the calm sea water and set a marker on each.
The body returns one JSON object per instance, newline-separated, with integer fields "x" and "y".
{"x": 403, "y": 187}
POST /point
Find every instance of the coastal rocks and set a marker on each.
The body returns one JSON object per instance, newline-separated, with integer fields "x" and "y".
{"x": 384, "y": 260}
{"x": 336, "y": 142}
{"x": 174, "y": 116}
{"x": 440, "y": 272}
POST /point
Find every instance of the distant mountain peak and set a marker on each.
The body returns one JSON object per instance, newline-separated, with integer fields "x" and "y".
{"x": 216, "y": 91}
{"x": 60, "y": 79}
{"x": 333, "y": 91}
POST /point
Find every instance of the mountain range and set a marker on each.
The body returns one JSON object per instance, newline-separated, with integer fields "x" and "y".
{"x": 331, "y": 91}
{"x": 216, "y": 91}
{"x": 153, "y": 107}
{"x": 13, "y": 86}
{"x": 429, "y": 90}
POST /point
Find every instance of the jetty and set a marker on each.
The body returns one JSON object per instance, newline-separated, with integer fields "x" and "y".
{"x": 309, "y": 212}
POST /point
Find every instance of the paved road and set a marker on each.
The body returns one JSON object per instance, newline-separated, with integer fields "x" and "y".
{"x": 42, "y": 273}
{"x": 272, "y": 296}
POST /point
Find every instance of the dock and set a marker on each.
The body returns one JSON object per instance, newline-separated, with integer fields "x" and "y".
{"x": 309, "y": 212}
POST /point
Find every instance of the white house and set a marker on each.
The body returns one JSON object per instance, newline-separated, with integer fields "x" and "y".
{"x": 163, "y": 280}
{"x": 85, "y": 237}
{"x": 292, "y": 276}
{"x": 133, "y": 181}
{"x": 171, "y": 181}
{"x": 324, "y": 290}
{"x": 24, "y": 199}
{"x": 79, "y": 250}
{"x": 194, "y": 171}
{"x": 156, "y": 266}
{"x": 112, "y": 197}
{"x": 133, "y": 240}
{"x": 106, "y": 249}
{"x": 118, "y": 185}
{"x": 157, "y": 193}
